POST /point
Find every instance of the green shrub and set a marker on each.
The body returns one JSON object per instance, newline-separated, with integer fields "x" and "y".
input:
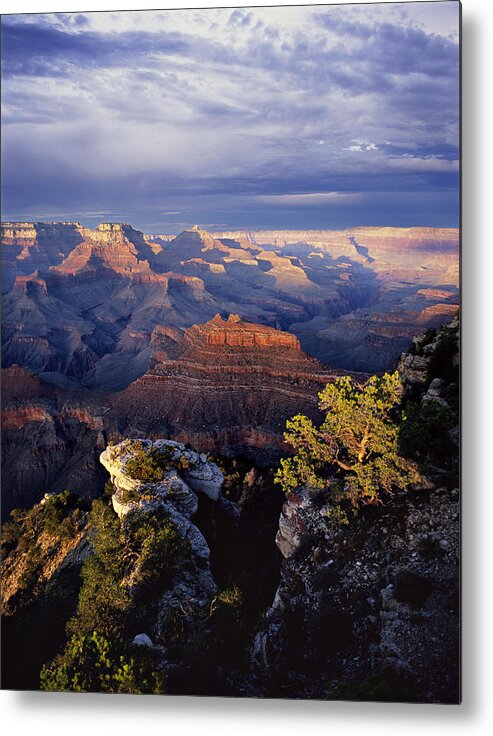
{"x": 93, "y": 663}
{"x": 149, "y": 544}
{"x": 11, "y": 534}
{"x": 108, "y": 491}
{"x": 162, "y": 553}
{"x": 59, "y": 515}
{"x": 232, "y": 598}
{"x": 103, "y": 600}
{"x": 183, "y": 463}
{"x": 150, "y": 465}
{"x": 424, "y": 431}
{"x": 32, "y": 565}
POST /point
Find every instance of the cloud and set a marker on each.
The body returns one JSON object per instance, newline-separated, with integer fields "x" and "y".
{"x": 39, "y": 50}
{"x": 313, "y": 198}
{"x": 361, "y": 146}
{"x": 185, "y": 110}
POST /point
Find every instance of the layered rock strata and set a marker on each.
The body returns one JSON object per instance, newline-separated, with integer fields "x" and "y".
{"x": 223, "y": 376}
{"x": 75, "y": 298}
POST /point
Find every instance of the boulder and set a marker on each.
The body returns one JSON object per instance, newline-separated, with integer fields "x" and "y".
{"x": 142, "y": 640}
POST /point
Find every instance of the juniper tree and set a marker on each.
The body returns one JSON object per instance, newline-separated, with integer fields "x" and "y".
{"x": 354, "y": 453}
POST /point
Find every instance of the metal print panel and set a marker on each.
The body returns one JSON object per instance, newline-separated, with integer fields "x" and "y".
{"x": 230, "y": 352}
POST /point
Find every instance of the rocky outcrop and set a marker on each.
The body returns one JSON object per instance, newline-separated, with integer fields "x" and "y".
{"x": 186, "y": 471}
{"x": 234, "y": 345}
{"x": 375, "y": 603}
{"x": 245, "y": 335}
{"x": 174, "y": 494}
{"x": 114, "y": 247}
{"x": 413, "y": 366}
{"x": 378, "y": 600}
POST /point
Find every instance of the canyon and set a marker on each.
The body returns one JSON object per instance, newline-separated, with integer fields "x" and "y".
{"x": 212, "y": 339}
{"x": 119, "y": 348}
{"x": 80, "y": 305}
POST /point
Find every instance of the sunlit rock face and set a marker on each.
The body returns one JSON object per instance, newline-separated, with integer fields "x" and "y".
{"x": 223, "y": 384}
{"x": 237, "y": 334}
{"x": 187, "y": 470}
{"x": 31, "y": 246}
{"x": 172, "y": 492}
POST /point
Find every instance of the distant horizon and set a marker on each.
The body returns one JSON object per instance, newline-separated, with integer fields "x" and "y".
{"x": 191, "y": 226}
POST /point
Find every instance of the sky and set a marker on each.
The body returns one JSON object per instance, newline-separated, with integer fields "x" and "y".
{"x": 303, "y": 117}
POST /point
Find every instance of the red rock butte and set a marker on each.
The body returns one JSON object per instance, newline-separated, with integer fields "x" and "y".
{"x": 235, "y": 332}
{"x": 225, "y": 383}
{"x": 232, "y": 346}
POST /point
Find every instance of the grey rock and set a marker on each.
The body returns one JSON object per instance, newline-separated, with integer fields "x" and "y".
{"x": 142, "y": 640}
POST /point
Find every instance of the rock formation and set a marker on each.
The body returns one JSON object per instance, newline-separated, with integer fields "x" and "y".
{"x": 188, "y": 472}
{"x": 75, "y": 298}
{"x": 172, "y": 494}
{"x": 222, "y": 383}
{"x": 378, "y": 601}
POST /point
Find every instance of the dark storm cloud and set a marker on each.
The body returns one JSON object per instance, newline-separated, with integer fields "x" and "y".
{"x": 394, "y": 49}
{"x": 30, "y": 49}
